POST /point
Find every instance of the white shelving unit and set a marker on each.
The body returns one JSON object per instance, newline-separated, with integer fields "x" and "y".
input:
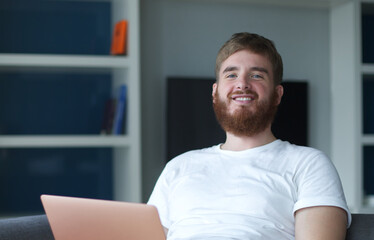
{"x": 348, "y": 70}
{"x": 124, "y": 70}
{"x": 64, "y": 61}
{"x": 40, "y": 141}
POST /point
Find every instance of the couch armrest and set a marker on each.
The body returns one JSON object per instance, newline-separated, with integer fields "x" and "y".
{"x": 362, "y": 227}
{"x": 26, "y": 228}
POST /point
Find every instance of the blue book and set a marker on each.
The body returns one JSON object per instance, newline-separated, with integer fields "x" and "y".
{"x": 120, "y": 114}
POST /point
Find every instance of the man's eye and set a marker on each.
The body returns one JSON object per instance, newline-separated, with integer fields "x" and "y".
{"x": 256, "y": 76}
{"x": 231, "y": 76}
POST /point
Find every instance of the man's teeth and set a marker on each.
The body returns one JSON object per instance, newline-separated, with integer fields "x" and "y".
{"x": 243, "y": 98}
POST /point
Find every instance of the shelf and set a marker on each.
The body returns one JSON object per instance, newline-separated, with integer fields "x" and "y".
{"x": 367, "y": 209}
{"x": 368, "y": 139}
{"x": 367, "y": 68}
{"x": 34, "y": 141}
{"x": 65, "y": 61}
{"x": 82, "y": 67}
{"x": 295, "y": 3}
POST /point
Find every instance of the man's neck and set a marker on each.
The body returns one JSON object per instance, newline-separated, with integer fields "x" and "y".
{"x": 240, "y": 143}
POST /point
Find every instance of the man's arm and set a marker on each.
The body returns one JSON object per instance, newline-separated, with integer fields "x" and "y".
{"x": 320, "y": 223}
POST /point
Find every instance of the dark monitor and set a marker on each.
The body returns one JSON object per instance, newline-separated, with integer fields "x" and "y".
{"x": 191, "y": 123}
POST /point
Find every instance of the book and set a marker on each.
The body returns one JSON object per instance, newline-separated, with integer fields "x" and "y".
{"x": 119, "y": 122}
{"x": 119, "y": 39}
{"x": 108, "y": 118}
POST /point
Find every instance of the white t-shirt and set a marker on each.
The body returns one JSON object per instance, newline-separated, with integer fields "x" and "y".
{"x": 251, "y": 194}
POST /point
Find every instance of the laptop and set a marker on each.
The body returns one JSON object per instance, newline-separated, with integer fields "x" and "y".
{"x": 74, "y": 218}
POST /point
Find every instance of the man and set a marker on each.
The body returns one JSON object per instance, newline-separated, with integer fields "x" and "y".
{"x": 253, "y": 186}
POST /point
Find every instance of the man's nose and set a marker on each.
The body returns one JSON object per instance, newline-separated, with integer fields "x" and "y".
{"x": 243, "y": 83}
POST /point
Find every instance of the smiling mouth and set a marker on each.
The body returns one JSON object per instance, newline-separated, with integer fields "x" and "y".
{"x": 242, "y": 98}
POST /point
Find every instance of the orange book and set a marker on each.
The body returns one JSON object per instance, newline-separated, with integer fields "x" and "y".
{"x": 119, "y": 40}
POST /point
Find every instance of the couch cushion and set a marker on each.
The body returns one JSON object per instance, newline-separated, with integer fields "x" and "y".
{"x": 37, "y": 228}
{"x": 26, "y": 228}
{"x": 362, "y": 227}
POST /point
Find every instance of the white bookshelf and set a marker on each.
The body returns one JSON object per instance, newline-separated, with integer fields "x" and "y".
{"x": 367, "y": 69}
{"x": 40, "y": 141}
{"x": 348, "y": 71}
{"x": 124, "y": 70}
{"x": 64, "y": 61}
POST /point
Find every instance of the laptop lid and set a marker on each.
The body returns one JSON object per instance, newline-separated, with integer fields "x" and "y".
{"x": 81, "y": 218}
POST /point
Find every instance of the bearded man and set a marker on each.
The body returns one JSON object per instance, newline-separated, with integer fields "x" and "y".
{"x": 253, "y": 186}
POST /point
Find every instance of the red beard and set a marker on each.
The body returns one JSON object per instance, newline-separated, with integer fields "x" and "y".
{"x": 244, "y": 121}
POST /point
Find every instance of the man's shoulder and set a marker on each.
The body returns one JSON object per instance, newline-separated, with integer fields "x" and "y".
{"x": 296, "y": 154}
{"x": 298, "y": 149}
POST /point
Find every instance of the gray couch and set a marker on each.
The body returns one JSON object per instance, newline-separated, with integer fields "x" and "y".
{"x": 25, "y": 228}
{"x": 37, "y": 228}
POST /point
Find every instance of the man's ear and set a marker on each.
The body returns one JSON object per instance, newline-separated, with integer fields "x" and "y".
{"x": 279, "y": 90}
{"x": 214, "y": 90}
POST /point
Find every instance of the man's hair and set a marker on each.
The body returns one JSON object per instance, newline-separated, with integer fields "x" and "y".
{"x": 256, "y": 44}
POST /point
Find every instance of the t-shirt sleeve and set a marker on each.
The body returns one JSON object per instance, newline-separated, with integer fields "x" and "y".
{"x": 318, "y": 184}
{"x": 159, "y": 197}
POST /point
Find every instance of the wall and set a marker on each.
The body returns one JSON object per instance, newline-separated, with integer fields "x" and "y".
{"x": 181, "y": 38}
